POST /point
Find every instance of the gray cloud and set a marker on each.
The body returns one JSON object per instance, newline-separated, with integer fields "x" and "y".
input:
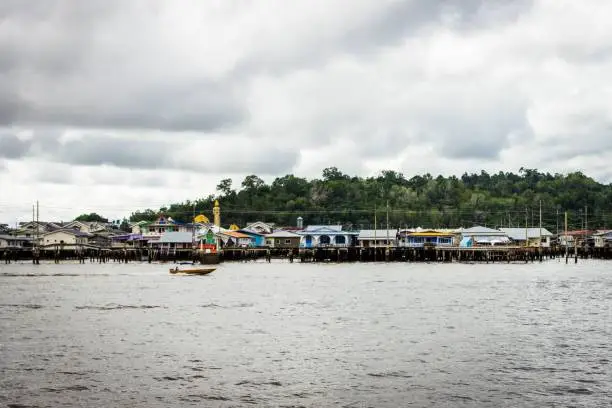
{"x": 69, "y": 69}
{"x": 11, "y": 147}
{"x": 132, "y": 153}
{"x": 388, "y": 25}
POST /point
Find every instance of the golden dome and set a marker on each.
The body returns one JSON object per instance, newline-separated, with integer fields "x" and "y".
{"x": 201, "y": 219}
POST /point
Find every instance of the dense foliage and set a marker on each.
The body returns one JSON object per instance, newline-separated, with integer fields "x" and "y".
{"x": 93, "y": 217}
{"x": 494, "y": 200}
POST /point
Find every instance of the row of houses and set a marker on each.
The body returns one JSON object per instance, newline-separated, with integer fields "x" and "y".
{"x": 168, "y": 235}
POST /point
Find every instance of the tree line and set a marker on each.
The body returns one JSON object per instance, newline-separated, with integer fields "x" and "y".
{"x": 495, "y": 200}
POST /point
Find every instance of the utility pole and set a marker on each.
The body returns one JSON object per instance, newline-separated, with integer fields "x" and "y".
{"x": 526, "y": 236}
{"x": 566, "y": 248}
{"x": 375, "y": 242}
{"x": 37, "y": 221}
{"x": 387, "y": 223}
{"x": 193, "y": 227}
{"x": 540, "y": 243}
{"x": 586, "y": 228}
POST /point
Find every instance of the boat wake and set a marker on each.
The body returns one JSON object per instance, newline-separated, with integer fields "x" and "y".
{"x": 112, "y": 306}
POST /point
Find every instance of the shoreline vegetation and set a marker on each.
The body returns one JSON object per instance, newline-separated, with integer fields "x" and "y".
{"x": 504, "y": 199}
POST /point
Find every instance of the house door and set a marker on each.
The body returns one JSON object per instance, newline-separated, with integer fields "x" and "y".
{"x": 308, "y": 241}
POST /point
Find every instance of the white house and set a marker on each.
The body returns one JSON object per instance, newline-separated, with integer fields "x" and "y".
{"x": 15, "y": 242}
{"x": 377, "y": 238}
{"x": 171, "y": 241}
{"x": 139, "y": 227}
{"x": 86, "y": 226}
{"x": 603, "y": 239}
{"x": 326, "y": 236}
{"x": 65, "y": 238}
{"x": 483, "y": 236}
{"x": 31, "y": 228}
{"x": 529, "y": 236}
{"x": 259, "y": 227}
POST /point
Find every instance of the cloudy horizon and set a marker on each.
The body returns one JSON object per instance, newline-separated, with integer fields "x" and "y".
{"x": 115, "y": 106}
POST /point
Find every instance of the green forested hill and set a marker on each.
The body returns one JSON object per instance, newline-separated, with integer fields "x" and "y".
{"x": 502, "y": 199}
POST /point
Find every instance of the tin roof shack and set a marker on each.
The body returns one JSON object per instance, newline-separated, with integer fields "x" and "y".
{"x": 234, "y": 239}
{"x": 377, "y": 238}
{"x": 533, "y": 237}
{"x": 283, "y": 239}
{"x": 15, "y": 242}
{"x": 483, "y": 236}
{"x": 578, "y": 238}
{"x": 65, "y": 239}
{"x": 426, "y": 238}
{"x": 170, "y": 242}
{"x": 603, "y": 239}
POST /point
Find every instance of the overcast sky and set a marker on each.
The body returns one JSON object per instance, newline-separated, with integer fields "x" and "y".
{"x": 116, "y": 105}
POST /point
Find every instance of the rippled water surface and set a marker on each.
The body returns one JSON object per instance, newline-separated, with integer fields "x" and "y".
{"x": 353, "y": 335}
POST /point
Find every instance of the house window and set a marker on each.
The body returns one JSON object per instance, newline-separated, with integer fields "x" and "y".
{"x": 287, "y": 241}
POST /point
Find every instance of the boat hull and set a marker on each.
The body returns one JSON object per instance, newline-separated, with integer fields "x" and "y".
{"x": 194, "y": 271}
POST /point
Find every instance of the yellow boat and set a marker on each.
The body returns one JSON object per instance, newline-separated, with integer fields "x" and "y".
{"x": 193, "y": 271}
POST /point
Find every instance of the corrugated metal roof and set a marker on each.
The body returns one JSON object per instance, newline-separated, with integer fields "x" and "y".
{"x": 317, "y": 228}
{"x": 74, "y": 232}
{"x": 380, "y": 234}
{"x": 235, "y": 234}
{"x": 429, "y": 234}
{"x": 15, "y": 238}
{"x": 283, "y": 234}
{"x": 175, "y": 238}
{"x": 478, "y": 230}
{"x": 518, "y": 234}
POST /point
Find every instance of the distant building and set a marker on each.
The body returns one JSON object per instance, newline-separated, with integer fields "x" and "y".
{"x": 529, "y": 236}
{"x": 65, "y": 238}
{"x": 162, "y": 225}
{"x": 258, "y": 238}
{"x": 283, "y": 239}
{"x": 603, "y": 239}
{"x": 233, "y": 239}
{"x": 129, "y": 241}
{"x": 259, "y": 227}
{"x": 482, "y": 236}
{"x": 421, "y": 238}
{"x": 314, "y": 236}
{"x": 15, "y": 242}
{"x": 377, "y": 238}
{"x": 578, "y": 238}
{"x": 170, "y": 241}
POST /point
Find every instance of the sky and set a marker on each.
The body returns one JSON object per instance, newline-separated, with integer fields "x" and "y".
{"x": 111, "y": 106}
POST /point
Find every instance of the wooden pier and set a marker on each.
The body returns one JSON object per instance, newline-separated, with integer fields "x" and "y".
{"x": 499, "y": 254}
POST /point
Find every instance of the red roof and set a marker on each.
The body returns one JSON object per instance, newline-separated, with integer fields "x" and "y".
{"x": 577, "y": 232}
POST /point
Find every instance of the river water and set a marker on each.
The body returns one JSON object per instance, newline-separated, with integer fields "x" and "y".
{"x": 279, "y": 334}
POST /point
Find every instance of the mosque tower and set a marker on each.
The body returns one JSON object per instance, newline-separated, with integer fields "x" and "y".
{"x": 217, "y": 214}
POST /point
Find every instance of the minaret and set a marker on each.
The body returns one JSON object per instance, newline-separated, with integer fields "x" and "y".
{"x": 217, "y": 213}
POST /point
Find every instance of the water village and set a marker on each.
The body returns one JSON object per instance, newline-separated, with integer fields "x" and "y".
{"x": 202, "y": 241}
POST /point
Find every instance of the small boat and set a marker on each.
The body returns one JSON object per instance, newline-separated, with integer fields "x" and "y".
{"x": 194, "y": 271}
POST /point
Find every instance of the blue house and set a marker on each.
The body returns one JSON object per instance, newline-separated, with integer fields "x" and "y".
{"x": 258, "y": 231}
{"x": 259, "y": 240}
{"x": 419, "y": 239}
{"x": 318, "y": 236}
